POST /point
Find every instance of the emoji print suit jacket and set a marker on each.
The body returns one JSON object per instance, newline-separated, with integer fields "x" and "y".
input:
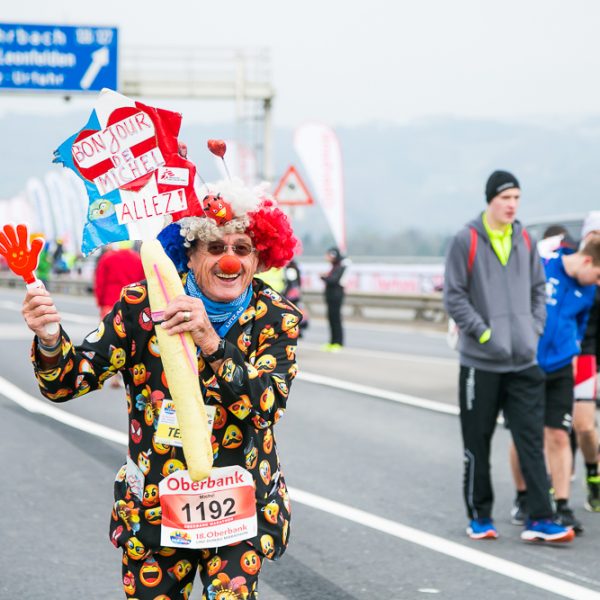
{"x": 249, "y": 393}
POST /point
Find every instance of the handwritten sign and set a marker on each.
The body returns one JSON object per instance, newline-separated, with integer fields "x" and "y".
{"x": 127, "y": 155}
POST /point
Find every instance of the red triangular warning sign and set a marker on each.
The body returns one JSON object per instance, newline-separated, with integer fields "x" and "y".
{"x": 291, "y": 190}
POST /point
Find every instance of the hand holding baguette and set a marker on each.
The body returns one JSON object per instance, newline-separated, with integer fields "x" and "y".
{"x": 178, "y": 356}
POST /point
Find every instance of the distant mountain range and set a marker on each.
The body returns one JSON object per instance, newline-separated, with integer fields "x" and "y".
{"x": 427, "y": 176}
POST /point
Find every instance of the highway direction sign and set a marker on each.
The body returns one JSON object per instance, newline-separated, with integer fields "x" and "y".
{"x": 57, "y": 58}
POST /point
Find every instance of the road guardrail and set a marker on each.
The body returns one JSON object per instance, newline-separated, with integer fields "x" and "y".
{"x": 357, "y": 306}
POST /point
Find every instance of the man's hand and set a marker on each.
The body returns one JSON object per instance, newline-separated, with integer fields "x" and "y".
{"x": 188, "y": 314}
{"x": 38, "y": 311}
{"x": 485, "y": 336}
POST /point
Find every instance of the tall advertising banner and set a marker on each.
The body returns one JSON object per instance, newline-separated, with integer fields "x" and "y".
{"x": 319, "y": 149}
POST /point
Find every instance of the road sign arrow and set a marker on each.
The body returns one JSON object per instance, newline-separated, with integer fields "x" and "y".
{"x": 100, "y": 58}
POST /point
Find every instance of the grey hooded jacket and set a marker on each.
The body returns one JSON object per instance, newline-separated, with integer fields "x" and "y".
{"x": 509, "y": 300}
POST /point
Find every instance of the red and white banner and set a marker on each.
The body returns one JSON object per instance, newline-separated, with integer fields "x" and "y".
{"x": 381, "y": 279}
{"x": 319, "y": 149}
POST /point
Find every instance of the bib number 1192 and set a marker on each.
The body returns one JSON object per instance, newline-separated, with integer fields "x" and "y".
{"x": 212, "y": 510}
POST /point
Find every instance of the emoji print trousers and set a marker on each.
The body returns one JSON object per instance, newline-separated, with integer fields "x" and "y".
{"x": 168, "y": 574}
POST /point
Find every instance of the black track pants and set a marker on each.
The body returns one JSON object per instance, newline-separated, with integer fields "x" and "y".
{"x": 334, "y": 315}
{"x": 520, "y": 394}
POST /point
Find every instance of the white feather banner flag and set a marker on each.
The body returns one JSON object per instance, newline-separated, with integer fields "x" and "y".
{"x": 319, "y": 149}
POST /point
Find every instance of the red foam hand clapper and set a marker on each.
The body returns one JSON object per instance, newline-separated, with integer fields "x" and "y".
{"x": 21, "y": 258}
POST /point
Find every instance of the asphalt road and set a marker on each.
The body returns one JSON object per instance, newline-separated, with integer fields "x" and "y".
{"x": 376, "y": 493}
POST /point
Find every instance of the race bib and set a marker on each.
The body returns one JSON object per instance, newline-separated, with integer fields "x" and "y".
{"x": 214, "y": 512}
{"x": 167, "y": 430}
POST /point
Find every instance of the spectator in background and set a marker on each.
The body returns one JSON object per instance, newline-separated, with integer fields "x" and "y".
{"x": 59, "y": 263}
{"x": 293, "y": 290}
{"x": 274, "y": 278}
{"x": 44, "y": 269}
{"x": 334, "y": 297}
{"x": 555, "y": 237}
{"x": 117, "y": 267}
{"x": 494, "y": 290}
{"x": 585, "y": 368}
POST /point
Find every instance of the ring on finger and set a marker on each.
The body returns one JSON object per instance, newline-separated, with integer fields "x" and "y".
{"x": 187, "y": 315}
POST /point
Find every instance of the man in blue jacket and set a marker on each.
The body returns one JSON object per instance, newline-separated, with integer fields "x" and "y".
{"x": 494, "y": 290}
{"x": 571, "y": 279}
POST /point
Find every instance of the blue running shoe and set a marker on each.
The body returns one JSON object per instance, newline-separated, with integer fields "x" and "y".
{"x": 480, "y": 529}
{"x": 546, "y": 530}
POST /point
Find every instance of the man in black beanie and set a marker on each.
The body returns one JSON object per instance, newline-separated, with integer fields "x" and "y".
{"x": 498, "y": 182}
{"x": 494, "y": 288}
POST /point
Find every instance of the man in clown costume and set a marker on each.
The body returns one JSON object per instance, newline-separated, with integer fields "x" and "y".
{"x": 246, "y": 335}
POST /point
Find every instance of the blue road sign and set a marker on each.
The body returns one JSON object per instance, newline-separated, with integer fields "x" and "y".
{"x": 57, "y": 57}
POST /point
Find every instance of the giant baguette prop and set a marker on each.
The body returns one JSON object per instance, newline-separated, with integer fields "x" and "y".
{"x": 178, "y": 356}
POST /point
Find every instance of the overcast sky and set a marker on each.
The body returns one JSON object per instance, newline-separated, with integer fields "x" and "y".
{"x": 360, "y": 61}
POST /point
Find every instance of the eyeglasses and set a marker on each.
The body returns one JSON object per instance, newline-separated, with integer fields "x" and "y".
{"x": 217, "y": 248}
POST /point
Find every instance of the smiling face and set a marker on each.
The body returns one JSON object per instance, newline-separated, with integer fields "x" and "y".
{"x": 214, "y": 283}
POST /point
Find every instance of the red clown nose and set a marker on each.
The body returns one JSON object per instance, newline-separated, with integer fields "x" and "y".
{"x": 229, "y": 264}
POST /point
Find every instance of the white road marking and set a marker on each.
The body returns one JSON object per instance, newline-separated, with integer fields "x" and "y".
{"x": 368, "y": 390}
{"x": 457, "y": 551}
{"x": 362, "y": 352}
{"x": 443, "y": 546}
{"x": 66, "y": 316}
{"x": 12, "y": 331}
{"x": 34, "y": 405}
{"x": 405, "y": 327}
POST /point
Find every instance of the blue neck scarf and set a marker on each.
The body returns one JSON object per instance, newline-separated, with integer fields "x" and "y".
{"x": 221, "y": 314}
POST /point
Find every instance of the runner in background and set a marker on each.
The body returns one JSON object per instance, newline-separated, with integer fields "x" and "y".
{"x": 585, "y": 369}
{"x": 571, "y": 278}
{"x": 554, "y": 238}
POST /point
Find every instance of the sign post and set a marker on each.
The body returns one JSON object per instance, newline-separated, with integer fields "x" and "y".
{"x": 60, "y": 58}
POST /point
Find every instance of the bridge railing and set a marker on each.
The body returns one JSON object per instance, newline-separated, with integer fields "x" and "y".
{"x": 379, "y": 307}
{"x": 357, "y": 306}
